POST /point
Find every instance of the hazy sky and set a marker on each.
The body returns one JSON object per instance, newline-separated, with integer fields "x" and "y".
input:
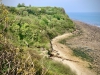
{"x": 68, "y": 5}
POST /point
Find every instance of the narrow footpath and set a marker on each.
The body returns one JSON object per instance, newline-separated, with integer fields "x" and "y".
{"x": 64, "y": 55}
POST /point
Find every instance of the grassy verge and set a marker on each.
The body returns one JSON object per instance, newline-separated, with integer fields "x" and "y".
{"x": 47, "y": 66}
{"x": 57, "y": 68}
{"x": 79, "y": 52}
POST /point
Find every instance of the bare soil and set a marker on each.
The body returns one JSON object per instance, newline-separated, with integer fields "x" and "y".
{"x": 88, "y": 37}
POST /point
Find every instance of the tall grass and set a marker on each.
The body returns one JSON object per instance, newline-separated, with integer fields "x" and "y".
{"x": 57, "y": 68}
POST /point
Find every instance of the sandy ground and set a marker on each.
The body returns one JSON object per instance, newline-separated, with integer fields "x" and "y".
{"x": 64, "y": 55}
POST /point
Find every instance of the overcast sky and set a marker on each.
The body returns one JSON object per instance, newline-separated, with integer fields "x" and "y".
{"x": 68, "y": 5}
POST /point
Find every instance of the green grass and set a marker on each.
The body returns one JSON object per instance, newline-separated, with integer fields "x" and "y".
{"x": 58, "y": 68}
{"x": 80, "y": 53}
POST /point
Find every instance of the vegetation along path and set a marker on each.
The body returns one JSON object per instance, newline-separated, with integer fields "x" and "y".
{"x": 64, "y": 55}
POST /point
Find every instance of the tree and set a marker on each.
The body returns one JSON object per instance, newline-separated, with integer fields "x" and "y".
{"x": 19, "y": 5}
{"x": 29, "y": 5}
{"x": 23, "y": 5}
{"x": 12, "y": 10}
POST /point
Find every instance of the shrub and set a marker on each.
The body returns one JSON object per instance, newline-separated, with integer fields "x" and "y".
{"x": 25, "y": 13}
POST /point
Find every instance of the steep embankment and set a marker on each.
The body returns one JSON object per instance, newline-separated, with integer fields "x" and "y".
{"x": 63, "y": 54}
{"x": 88, "y": 41}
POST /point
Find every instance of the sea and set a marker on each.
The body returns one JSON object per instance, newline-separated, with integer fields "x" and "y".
{"x": 92, "y": 18}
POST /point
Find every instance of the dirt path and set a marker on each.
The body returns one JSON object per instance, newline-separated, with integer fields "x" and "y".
{"x": 63, "y": 54}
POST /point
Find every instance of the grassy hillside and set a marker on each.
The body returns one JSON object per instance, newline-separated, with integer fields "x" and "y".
{"x": 24, "y": 32}
{"x": 35, "y": 26}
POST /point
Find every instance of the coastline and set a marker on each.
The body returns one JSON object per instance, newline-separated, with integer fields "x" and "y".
{"x": 86, "y": 23}
{"x": 92, "y": 18}
{"x": 89, "y": 40}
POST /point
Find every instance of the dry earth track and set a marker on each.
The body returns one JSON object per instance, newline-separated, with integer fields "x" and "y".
{"x": 64, "y": 55}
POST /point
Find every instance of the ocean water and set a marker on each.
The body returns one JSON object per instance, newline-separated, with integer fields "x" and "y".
{"x": 89, "y": 18}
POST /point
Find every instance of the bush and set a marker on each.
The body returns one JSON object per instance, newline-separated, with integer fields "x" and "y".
{"x": 25, "y": 13}
{"x": 12, "y": 9}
